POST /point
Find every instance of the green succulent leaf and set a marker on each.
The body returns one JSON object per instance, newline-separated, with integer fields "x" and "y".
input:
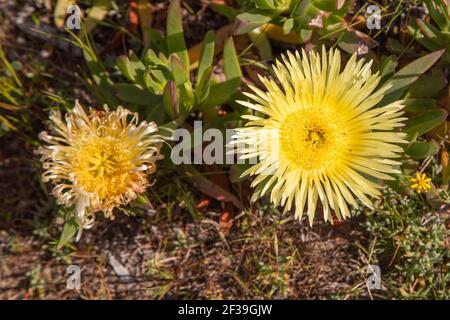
{"x": 265, "y": 4}
{"x": 439, "y": 12}
{"x": 68, "y": 233}
{"x": 420, "y": 105}
{"x": 222, "y": 92}
{"x": 425, "y": 122}
{"x": 175, "y": 36}
{"x": 224, "y": 10}
{"x": 178, "y": 70}
{"x": 288, "y": 25}
{"x": 429, "y": 85}
{"x": 248, "y": 21}
{"x": 402, "y": 80}
{"x": 203, "y": 86}
{"x": 231, "y": 64}
{"x": 207, "y": 55}
{"x": 132, "y": 93}
{"x": 261, "y": 43}
{"x": 171, "y": 99}
{"x": 125, "y": 67}
{"x": 157, "y": 41}
{"x": 420, "y": 150}
{"x": 388, "y": 65}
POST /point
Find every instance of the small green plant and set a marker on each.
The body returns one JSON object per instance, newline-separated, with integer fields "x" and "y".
{"x": 159, "y": 271}
{"x": 37, "y": 281}
{"x": 410, "y": 246}
{"x": 163, "y": 73}
{"x": 420, "y": 91}
{"x": 434, "y": 34}
{"x": 159, "y": 82}
{"x": 305, "y": 18}
{"x": 10, "y": 94}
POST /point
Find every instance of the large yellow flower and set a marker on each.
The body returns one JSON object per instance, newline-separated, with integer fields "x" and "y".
{"x": 321, "y": 138}
{"x": 98, "y": 161}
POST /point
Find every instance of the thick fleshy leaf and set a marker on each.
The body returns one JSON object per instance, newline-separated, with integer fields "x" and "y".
{"x": 175, "y": 37}
{"x": 171, "y": 99}
{"x": 388, "y": 65}
{"x": 420, "y": 105}
{"x": 274, "y": 32}
{"x": 157, "y": 40}
{"x": 261, "y": 43}
{"x": 429, "y": 85}
{"x": 401, "y": 81}
{"x": 425, "y": 122}
{"x": 207, "y": 55}
{"x": 329, "y": 5}
{"x": 203, "y": 86}
{"x": 145, "y": 11}
{"x": 428, "y": 43}
{"x": 126, "y": 68}
{"x": 265, "y": 4}
{"x": 134, "y": 94}
{"x": 222, "y": 92}
{"x": 248, "y": 21}
{"x": 440, "y": 132}
{"x": 195, "y": 51}
{"x": 420, "y": 150}
{"x": 224, "y": 10}
{"x": 437, "y": 10}
{"x": 178, "y": 70}
{"x": 231, "y": 64}
{"x": 68, "y": 233}
{"x": 288, "y": 25}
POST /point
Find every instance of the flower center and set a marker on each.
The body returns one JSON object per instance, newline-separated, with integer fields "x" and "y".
{"x": 104, "y": 165}
{"x": 311, "y": 139}
{"x": 315, "y": 136}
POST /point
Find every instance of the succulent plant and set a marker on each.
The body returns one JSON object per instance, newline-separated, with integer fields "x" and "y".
{"x": 434, "y": 34}
{"x": 302, "y": 17}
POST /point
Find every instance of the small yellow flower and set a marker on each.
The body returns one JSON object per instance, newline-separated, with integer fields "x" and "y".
{"x": 420, "y": 182}
{"x": 98, "y": 161}
{"x": 320, "y": 137}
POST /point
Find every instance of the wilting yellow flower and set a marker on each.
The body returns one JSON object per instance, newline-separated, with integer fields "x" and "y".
{"x": 420, "y": 182}
{"x": 98, "y": 161}
{"x": 323, "y": 138}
